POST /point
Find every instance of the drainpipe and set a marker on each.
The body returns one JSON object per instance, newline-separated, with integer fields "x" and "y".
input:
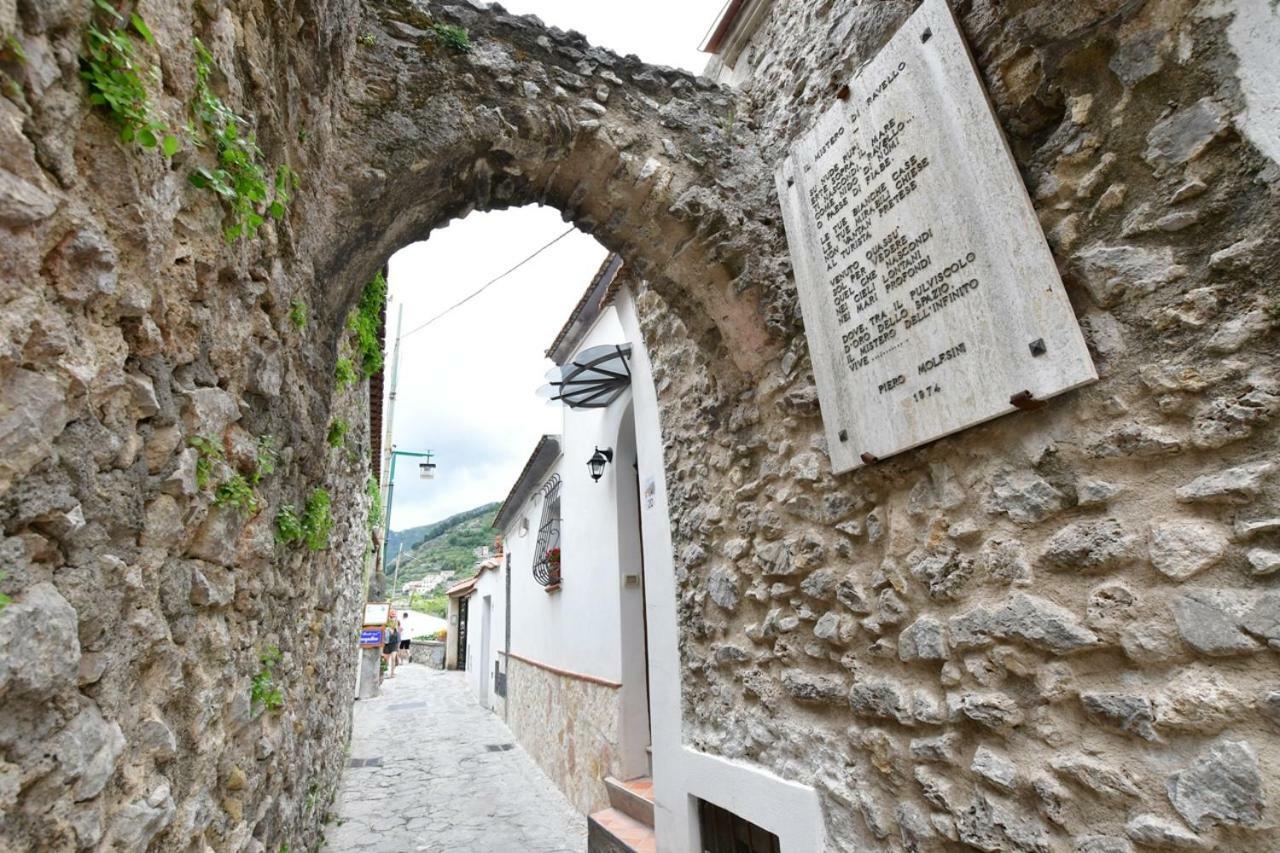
{"x": 395, "y": 584}
{"x": 390, "y": 418}
{"x": 506, "y": 658}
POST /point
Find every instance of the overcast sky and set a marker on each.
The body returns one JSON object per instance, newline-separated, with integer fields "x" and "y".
{"x": 467, "y": 381}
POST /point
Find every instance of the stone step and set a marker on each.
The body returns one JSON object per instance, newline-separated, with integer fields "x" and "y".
{"x": 634, "y": 798}
{"x": 613, "y": 831}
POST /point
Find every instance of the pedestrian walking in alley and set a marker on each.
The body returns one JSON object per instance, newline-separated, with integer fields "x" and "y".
{"x": 391, "y": 645}
{"x": 404, "y": 645}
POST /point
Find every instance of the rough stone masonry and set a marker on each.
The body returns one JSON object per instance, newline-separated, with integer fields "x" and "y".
{"x": 1053, "y": 632}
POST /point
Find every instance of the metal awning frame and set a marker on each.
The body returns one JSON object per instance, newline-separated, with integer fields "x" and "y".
{"x": 611, "y": 383}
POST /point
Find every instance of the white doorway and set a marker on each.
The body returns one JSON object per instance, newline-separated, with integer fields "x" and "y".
{"x": 635, "y": 741}
{"x": 486, "y": 672}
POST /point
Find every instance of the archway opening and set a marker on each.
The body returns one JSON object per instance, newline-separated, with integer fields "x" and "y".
{"x": 484, "y": 312}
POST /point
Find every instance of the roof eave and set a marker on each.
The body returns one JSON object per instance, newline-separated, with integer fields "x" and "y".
{"x": 723, "y": 27}
{"x": 544, "y": 454}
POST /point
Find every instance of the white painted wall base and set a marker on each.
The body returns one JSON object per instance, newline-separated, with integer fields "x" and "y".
{"x": 680, "y": 774}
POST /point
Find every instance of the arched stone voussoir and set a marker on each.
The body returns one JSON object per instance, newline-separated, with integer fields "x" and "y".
{"x": 648, "y": 160}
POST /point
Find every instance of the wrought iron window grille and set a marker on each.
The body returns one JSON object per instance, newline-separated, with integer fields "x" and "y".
{"x": 546, "y": 552}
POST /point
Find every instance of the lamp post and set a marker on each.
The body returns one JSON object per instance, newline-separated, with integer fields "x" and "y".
{"x": 426, "y": 471}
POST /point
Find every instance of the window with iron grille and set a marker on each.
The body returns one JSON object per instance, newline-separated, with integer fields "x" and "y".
{"x": 725, "y": 832}
{"x": 546, "y": 551}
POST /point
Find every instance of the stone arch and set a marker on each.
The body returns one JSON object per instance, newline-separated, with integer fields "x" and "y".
{"x": 648, "y": 161}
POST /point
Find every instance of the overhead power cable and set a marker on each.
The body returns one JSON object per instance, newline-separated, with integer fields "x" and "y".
{"x": 489, "y": 283}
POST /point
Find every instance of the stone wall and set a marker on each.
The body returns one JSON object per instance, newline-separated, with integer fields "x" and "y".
{"x": 130, "y": 327}
{"x": 1056, "y": 631}
{"x": 569, "y": 726}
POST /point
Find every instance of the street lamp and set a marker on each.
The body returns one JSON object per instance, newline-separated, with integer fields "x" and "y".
{"x": 597, "y": 462}
{"x": 426, "y": 471}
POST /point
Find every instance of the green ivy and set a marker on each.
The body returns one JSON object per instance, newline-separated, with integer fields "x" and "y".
{"x": 11, "y": 51}
{"x": 287, "y": 181}
{"x": 298, "y": 314}
{"x": 240, "y": 177}
{"x": 265, "y": 463}
{"x": 375, "y": 506}
{"x": 345, "y": 372}
{"x": 208, "y": 453}
{"x": 316, "y": 521}
{"x": 236, "y": 492}
{"x": 453, "y": 36}
{"x": 365, "y": 321}
{"x": 115, "y": 78}
{"x": 232, "y": 488}
{"x": 288, "y": 525}
{"x": 263, "y": 691}
{"x": 337, "y": 432}
{"x": 5, "y": 600}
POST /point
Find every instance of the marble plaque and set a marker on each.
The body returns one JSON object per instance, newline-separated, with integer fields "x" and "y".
{"x": 930, "y": 299}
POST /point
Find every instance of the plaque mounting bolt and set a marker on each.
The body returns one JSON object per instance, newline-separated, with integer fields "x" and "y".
{"x": 842, "y": 93}
{"x": 869, "y": 459}
{"x": 1038, "y": 347}
{"x": 926, "y": 35}
{"x": 1025, "y": 401}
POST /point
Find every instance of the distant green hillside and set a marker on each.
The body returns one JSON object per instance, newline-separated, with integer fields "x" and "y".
{"x": 446, "y": 546}
{"x": 412, "y": 536}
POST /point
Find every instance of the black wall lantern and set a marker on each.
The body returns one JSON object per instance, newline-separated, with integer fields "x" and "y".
{"x": 597, "y": 462}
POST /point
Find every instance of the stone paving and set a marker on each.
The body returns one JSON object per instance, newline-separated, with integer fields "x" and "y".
{"x": 439, "y": 787}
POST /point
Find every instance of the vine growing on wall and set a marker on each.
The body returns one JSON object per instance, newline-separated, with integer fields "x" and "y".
{"x": 241, "y": 178}
{"x": 364, "y": 322}
{"x": 264, "y": 692}
{"x": 288, "y": 525}
{"x": 312, "y": 527}
{"x": 316, "y": 521}
{"x": 236, "y": 492}
{"x": 344, "y": 372}
{"x": 115, "y": 77}
{"x": 375, "y": 506}
{"x": 298, "y": 314}
{"x": 232, "y": 488}
{"x": 337, "y": 432}
{"x": 208, "y": 454}
{"x": 452, "y": 36}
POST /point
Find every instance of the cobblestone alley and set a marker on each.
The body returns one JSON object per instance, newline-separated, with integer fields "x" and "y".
{"x": 430, "y": 770}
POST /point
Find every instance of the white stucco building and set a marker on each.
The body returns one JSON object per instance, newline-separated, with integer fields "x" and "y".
{"x": 583, "y": 665}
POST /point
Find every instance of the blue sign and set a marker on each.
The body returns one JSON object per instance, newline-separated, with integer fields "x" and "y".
{"x": 370, "y": 637}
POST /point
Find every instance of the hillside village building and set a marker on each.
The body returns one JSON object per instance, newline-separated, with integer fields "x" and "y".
{"x": 561, "y": 636}
{"x": 570, "y": 675}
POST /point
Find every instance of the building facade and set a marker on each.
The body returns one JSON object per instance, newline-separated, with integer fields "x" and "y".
{"x": 564, "y": 612}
